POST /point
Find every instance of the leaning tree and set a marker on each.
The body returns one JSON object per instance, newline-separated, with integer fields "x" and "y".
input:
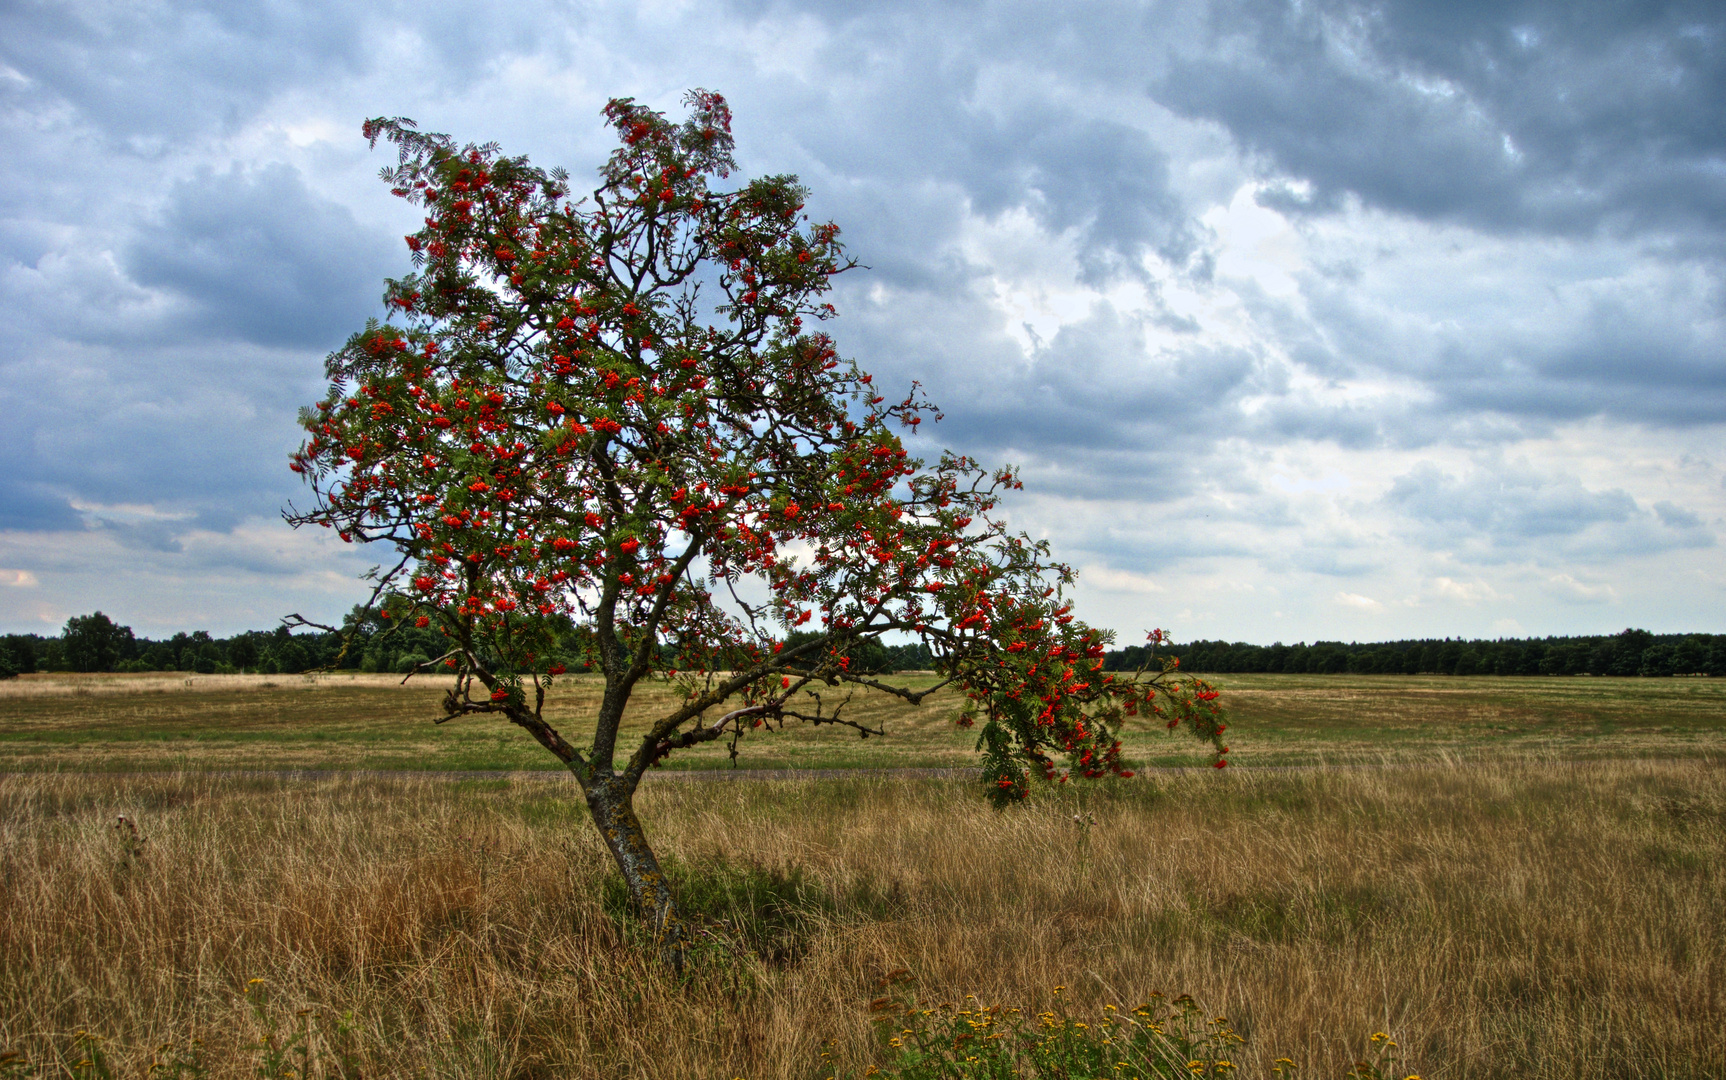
{"x": 616, "y": 414}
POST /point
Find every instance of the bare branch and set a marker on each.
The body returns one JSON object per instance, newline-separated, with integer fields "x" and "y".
{"x": 915, "y": 697}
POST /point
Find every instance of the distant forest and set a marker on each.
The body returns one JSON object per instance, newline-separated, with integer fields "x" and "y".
{"x": 94, "y": 642}
{"x": 1631, "y": 653}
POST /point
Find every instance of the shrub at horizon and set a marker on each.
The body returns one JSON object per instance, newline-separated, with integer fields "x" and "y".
{"x": 94, "y": 643}
{"x": 618, "y": 413}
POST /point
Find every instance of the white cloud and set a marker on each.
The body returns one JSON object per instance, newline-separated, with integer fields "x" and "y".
{"x": 1118, "y": 581}
{"x": 1467, "y": 592}
{"x": 1257, "y": 244}
{"x": 1298, "y": 485}
{"x": 1566, "y": 587}
{"x": 127, "y": 512}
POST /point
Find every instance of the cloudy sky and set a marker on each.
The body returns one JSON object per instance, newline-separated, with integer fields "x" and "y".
{"x": 1304, "y": 320}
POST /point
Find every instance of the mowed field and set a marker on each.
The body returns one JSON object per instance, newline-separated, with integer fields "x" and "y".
{"x": 134, "y": 723}
{"x": 1525, "y": 881}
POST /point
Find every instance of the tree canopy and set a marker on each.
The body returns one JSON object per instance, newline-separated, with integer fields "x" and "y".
{"x": 93, "y": 643}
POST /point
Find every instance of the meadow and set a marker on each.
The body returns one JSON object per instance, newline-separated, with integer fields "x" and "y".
{"x": 1523, "y": 881}
{"x": 347, "y": 721}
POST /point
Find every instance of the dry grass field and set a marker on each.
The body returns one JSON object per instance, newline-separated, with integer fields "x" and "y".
{"x": 345, "y": 721}
{"x": 1532, "y": 918}
{"x": 1527, "y": 882}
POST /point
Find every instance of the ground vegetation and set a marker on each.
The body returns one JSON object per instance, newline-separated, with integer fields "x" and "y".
{"x": 1542, "y": 919}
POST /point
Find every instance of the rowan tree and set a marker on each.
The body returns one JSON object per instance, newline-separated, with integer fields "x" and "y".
{"x": 618, "y": 416}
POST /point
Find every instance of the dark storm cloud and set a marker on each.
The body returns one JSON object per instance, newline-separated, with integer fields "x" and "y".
{"x": 160, "y": 333}
{"x": 151, "y": 440}
{"x": 258, "y": 257}
{"x": 1514, "y": 507}
{"x": 143, "y": 75}
{"x": 163, "y": 381}
{"x": 1104, "y": 183}
{"x": 1614, "y": 360}
{"x": 915, "y": 107}
{"x": 1091, "y": 411}
{"x": 1554, "y": 119}
{"x": 32, "y": 507}
{"x": 1627, "y": 356}
{"x": 1504, "y": 116}
{"x": 1503, "y": 350}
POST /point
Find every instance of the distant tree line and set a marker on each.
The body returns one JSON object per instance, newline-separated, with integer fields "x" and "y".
{"x": 1632, "y": 652}
{"x": 93, "y": 643}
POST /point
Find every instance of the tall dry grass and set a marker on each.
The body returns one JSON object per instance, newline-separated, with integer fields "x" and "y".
{"x": 1546, "y": 920}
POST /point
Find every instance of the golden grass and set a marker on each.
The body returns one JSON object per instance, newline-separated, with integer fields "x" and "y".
{"x": 60, "y": 684}
{"x": 347, "y": 721}
{"x": 1355, "y": 717}
{"x": 1537, "y": 919}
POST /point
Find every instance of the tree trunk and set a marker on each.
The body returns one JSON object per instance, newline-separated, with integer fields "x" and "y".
{"x": 611, "y": 801}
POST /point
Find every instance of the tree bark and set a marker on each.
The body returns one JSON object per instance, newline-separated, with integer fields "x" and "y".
{"x": 611, "y": 800}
